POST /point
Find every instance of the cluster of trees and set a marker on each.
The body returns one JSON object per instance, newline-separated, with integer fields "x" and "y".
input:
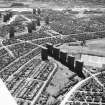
{"x": 95, "y": 1}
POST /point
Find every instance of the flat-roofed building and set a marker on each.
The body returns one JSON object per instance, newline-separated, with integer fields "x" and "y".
{"x": 63, "y": 57}
{"x": 50, "y": 48}
{"x": 78, "y": 68}
{"x": 44, "y": 54}
{"x": 56, "y": 52}
{"x": 70, "y": 62}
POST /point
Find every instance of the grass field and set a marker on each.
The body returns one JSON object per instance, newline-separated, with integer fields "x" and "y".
{"x": 59, "y": 80}
{"x": 93, "y": 54}
{"x": 93, "y": 47}
{"x": 97, "y": 44}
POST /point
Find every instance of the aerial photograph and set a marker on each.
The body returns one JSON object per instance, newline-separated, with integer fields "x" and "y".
{"x": 52, "y": 52}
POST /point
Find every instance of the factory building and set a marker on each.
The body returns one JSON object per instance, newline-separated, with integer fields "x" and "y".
{"x": 11, "y": 32}
{"x": 44, "y": 54}
{"x": 70, "y": 62}
{"x": 63, "y": 57}
{"x": 50, "y": 49}
{"x": 56, "y": 52}
{"x": 78, "y": 68}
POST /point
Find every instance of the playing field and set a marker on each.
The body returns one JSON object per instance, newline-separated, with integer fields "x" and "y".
{"x": 98, "y": 44}
{"x": 92, "y": 54}
{"x": 93, "y": 47}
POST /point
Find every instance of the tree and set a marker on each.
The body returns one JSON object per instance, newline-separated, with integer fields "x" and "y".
{"x": 51, "y": 100}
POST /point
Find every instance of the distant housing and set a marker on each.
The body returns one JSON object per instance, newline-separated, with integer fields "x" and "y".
{"x": 18, "y": 5}
{"x": 93, "y": 11}
{"x": 70, "y": 11}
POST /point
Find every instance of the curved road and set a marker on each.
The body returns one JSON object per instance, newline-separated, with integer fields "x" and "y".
{"x": 67, "y": 96}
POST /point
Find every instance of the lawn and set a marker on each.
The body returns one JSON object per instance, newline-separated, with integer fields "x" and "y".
{"x": 60, "y": 79}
